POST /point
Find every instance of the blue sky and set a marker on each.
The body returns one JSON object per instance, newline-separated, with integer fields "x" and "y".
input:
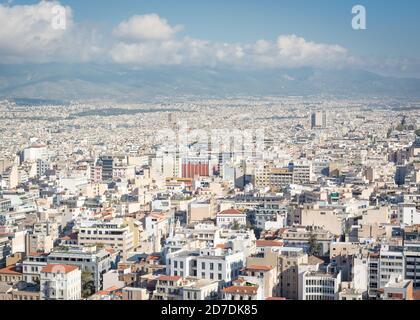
{"x": 266, "y": 33}
{"x": 393, "y": 26}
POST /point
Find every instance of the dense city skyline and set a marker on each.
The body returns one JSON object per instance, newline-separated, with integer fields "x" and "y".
{"x": 151, "y": 154}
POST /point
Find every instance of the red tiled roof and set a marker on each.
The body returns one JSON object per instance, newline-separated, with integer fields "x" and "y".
{"x": 59, "y": 268}
{"x": 251, "y": 290}
{"x": 269, "y": 243}
{"x": 10, "y": 270}
{"x": 37, "y": 254}
{"x": 110, "y": 290}
{"x": 169, "y": 278}
{"x": 239, "y": 280}
{"x": 102, "y": 293}
{"x": 259, "y": 268}
{"x": 232, "y": 212}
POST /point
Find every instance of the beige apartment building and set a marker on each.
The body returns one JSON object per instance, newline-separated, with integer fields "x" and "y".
{"x": 201, "y": 210}
{"x": 38, "y": 243}
{"x": 286, "y": 261}
{"x": 114, "y": 234}
{"x": 344, "y": 249}
{"x": 169, "y": 288}
{"x": 262, "y": 176}
{"x": 11, "y": 274}
{"x": 265, "y": 276}
{"x": 299, "y": 237}
{"x": 278, "y": 178}
{"x": 329, "y": 218}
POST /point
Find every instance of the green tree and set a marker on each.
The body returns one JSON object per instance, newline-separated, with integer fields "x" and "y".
{"x": 88, "y": 284}
{"x": 37, "y": 282}
{"x": 235, "y": 225}
{"x": 400, "y": 127}
{"x": 258, "y": 232}
{"x": 314, "y": 245}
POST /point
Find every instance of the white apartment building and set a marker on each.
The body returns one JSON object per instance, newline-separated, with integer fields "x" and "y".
{"x": 227, "y": 218}
{"x": 182, "y": 263}
{"x": 412, "y": 263}
{"x": 114, "y": 234}
{"x": 319, "y": 285}
{"x": 391, "y": 264}
{"x": 35, "y": 152}
{"x": 211, "y": 264}
{"x": 200, "y": 290}
{"x": 207, "y": 233}
{"x": 123, "y": 172}
{"x": 179, "y": 288}
{"x": 32, "y": 266}
{"x": 60, "y": 282}
{"x": 94, "y": 260}
{"x": 408, "y": 214}
{"x": 220, "y": 265}
{"x": 360, "y": 273}
{"x": 73, "y": 184}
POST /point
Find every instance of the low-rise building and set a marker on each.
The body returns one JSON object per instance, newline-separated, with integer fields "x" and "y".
{"x": 228, "y": 218}
{"x": 320, "y": 285}
{"x": 60, "y": 282}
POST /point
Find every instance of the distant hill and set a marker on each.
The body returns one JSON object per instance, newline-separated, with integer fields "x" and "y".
{"x": 113, "y": 82}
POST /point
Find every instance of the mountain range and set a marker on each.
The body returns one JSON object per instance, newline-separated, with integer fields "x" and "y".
{"x": 114, "y": 82}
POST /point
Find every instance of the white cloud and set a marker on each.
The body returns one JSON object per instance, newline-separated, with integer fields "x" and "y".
{"x": 150, "y": 40}
{"x": 298, "y": 51}
{"x": 148, "y": 54}
{"x": 262, "y": 46}
{"x": 27, "y": 34}
{"x": 145, "y": 27}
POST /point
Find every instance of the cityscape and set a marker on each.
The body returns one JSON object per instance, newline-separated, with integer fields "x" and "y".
{"x": 179, "y": 194}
